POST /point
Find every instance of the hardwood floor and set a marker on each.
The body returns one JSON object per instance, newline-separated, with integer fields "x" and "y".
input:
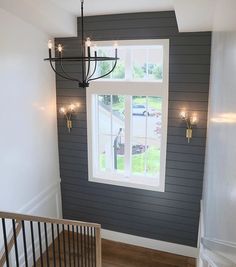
{"x": 121, "y": 255}
{"x": 116, "y": 254}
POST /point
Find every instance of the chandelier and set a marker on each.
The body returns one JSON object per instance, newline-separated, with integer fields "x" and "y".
{"x": 88, "y": 61}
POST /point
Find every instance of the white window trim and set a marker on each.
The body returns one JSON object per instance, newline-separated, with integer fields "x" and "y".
{"x": 159, "y": 89}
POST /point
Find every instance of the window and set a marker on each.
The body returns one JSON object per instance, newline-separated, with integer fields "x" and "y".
{"x": 127, "y": 116}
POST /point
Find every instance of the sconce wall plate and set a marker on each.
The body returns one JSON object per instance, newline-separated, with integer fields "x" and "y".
{"x": 189, "y": 134}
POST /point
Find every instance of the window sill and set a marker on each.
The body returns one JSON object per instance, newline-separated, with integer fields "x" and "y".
{"x": 152, "y": 186}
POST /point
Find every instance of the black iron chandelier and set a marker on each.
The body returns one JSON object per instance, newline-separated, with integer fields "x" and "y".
{"x": 86, "y": 59}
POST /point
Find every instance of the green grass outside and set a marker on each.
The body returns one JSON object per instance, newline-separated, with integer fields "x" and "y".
{"x": 138, "y": 162}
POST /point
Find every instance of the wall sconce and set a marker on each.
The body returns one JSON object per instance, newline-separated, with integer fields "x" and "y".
{"x": 190, "y": 122}
{"x": 68, "y": 111}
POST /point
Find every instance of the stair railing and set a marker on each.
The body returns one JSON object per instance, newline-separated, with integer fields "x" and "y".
{"x": 40, "y": 241}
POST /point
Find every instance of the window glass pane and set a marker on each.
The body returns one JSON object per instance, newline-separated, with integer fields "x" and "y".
{"x": 104, "y": 152}
{"x": 139, "y": 63}
{"x": 118, "y": 114}
{"x": 118, "y": 131}
{"x": 154, "y": 119}
{"x": 119, "y": 71}
{"x": 104, "y": 114}
{"x": 138, "y": 156}
{"x": 155, "y": 63}
{"x": 146, "y": 135}
{"x": 118, "y": 152}
{"x": 153, "y": 158}
{"x": 104, "y": 67}
{"x": 139, "y": 114}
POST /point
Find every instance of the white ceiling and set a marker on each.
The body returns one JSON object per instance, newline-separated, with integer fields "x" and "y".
{"x": 102, "y": 7}
{"x": 205, "y": 15}
{"x": 58, "y": 17}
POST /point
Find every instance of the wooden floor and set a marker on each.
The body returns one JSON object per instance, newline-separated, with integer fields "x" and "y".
{"x": 121, "y": 255}
{"x": 116, "y": 254}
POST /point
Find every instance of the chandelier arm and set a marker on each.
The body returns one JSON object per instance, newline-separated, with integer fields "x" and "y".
{"x": 104, "y": 74}
{"x": 95, "y": 65}
{"x": 94, "y": 70}
{"x": 69, "y": 77}
{"x": 58, "y": 72}
{"x": 88, "y": 70}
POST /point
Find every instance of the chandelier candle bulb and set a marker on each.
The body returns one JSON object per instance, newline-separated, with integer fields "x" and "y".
{"x": 50, "y": 44}
{"x": 50, "y": 48}
{"x": 88, "y": 44}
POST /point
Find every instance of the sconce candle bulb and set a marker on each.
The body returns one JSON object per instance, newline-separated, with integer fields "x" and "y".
{"x": 183, "y": 115}
{"x": 193, "y": 119}
{"x": 62, "y": 110}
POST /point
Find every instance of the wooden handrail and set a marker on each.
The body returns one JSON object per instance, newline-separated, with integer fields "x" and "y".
{"x": 10, "y": 244}
{"x": 23, "y": 217}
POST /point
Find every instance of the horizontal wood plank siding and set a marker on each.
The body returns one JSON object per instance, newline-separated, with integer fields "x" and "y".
{"x": 171, "y": 216}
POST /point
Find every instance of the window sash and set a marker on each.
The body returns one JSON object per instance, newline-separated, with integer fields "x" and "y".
{"x": 130, "y": 89}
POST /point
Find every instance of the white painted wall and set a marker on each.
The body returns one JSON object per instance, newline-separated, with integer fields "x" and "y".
{"x": 29, "y": 168}
{"x": 219, "y": 198}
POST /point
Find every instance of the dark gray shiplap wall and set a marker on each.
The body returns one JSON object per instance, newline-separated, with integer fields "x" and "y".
{"x": 171, "y": 216}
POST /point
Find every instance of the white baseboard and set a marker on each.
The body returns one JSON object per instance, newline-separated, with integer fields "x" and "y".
{"x": 150, "y": 243}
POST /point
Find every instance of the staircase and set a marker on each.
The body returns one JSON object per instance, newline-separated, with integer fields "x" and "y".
{"x": 38, "y": 241}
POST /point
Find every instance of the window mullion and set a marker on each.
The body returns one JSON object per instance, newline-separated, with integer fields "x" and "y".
{"x": 111, "y": 132}
{"x": 146, "y": 132}
{"x": 128, "y": 130}
{"x": 147, "y": 62}
{"x": 98, "y": 136}
{"x": 129, "y": 65}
